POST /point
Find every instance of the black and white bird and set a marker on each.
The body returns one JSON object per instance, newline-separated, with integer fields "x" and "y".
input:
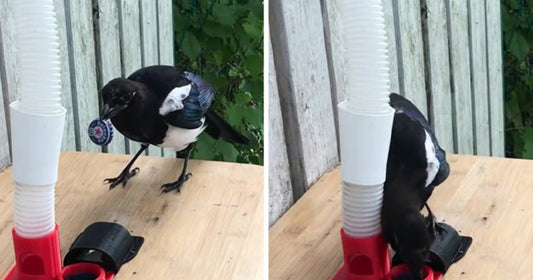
{"x": 416, "y": 164}
{"x": 163, "y": 106}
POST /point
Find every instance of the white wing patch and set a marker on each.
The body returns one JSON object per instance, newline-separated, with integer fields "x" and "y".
{"x": 174, "y": 99}
{"x": 433, "y": 162}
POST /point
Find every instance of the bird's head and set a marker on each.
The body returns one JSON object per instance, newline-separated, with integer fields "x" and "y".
{"x": 117, "y": 95}
{"x": 413, "y": 241}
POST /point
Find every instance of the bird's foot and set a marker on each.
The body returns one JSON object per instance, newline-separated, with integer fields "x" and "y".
{"x": 122, "y": 178}
{"x": 175, "y": 185}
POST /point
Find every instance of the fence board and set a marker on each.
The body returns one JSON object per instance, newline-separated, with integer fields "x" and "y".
{"x": 478, "y": 64}
{"x": 438, "y": 75}
{"x": 305, "y": 93}
{"x": 495, "y": 83}
{"x": 69, "y": 133}
{"x": 411, "y": 53}
{"x": 149, "y": 45}
{"x": 279, "y": 180}
{"x": 165, "y": 36}
{"x": 130, "y": 36}
{"x": 4, "y": 141}
{"x": 460, "y": 75}
{"x": 107, "y": 34}
{"x": 83, "y": 69}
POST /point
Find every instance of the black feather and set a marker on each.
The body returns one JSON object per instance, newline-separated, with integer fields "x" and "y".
{"x": 220, "y": 129}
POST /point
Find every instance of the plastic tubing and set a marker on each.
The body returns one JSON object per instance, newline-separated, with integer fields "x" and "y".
{"x": 37, "y": 118}
{"x": 365, "y": 117}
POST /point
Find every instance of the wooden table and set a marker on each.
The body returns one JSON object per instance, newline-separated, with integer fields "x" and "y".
{"x": 213, "y": 229}
{"x": 490, "y": 199}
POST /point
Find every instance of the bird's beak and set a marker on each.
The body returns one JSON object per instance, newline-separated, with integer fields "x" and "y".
{"x": 107, "y": 112}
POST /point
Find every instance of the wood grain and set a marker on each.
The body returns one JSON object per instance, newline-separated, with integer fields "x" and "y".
{"x": 69, "y": 132}
{"x": 438, "y": 76}
{"x": 213, "y": 229}
{"x": 305, "y": 93}
{"x": 486, "y": 198}
{"x": 107, "y": 37}
{"x": 280, "y": 196}
{"x": 82, "y": 69}
{"x": 411, "y": 53}
{"x": 478, "y": 64}
{"x": 495, "y": 78}
{"x": 460, "y": 75}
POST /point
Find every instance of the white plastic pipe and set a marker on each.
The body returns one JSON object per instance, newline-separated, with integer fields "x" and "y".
{"x": 365, "y": 118}
{"x": 37, "y": 119}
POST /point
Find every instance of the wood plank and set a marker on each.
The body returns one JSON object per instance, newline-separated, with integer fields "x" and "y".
{"x": 82, "y": 69}
{"x": 69, "y": 133}
{"x": 217, "y": 218}
{"x": 305, "y": 93}
{"x": 388, "y": 9}
{"x": 495, "y": 85}
{"x": 166, "y": 43}
{"x": 107, "y": 37}
{"x": 438, "y": 66}
{"x": 5, "y": 158}
{"x": 460, "y": 75}
{"x": 149, "y": 45}
{"x": 486, "y": 198}
{"x": 280, "y": 196}
{"x": 411, "y": 53}
{"x": 130, "y": 38}
{"x": 335, "y": 55}
{"x": 478, "y": 64}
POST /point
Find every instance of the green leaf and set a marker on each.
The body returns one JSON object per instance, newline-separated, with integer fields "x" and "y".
{"x": 252, "y": 116}
{"x": 235, "y": 115}
{"x": 254, "y": 64}
{"x": 224, "y": 14}
{"x": 204, "y": 147}
{"x": 243, "y": 98}
{"x": 191, "y": 47}
{"x": 528, "y": 143}
{"x": 519, "y": 46}
{"x": 228, "y": 151}
{"x": 253, "y": 29}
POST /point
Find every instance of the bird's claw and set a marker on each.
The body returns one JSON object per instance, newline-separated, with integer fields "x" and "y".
{"x": 122, "y": 178}
{"x": 175, "y": 185}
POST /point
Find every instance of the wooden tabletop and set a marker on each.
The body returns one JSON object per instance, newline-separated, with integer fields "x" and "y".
{"x": 489, "y": 199}
{"x": 213, "y": 229}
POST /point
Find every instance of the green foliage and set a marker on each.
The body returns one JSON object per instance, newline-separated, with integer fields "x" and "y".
{"x": 222, "y": 40}
{"x": 517, "y": 24}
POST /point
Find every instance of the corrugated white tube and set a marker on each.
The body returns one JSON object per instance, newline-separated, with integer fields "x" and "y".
{"x": 365, "y": 118}
{"x": 37, "y": 119}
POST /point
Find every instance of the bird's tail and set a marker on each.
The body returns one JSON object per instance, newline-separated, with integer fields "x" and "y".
{"x": 220, "y": 129}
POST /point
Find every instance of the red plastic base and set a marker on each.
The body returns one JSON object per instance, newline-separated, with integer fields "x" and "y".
{"x": 36, "y": 258}
{"x": 364, "y": 258}
{"x": 368, "y": 259}
{"x": 40, "y": 259}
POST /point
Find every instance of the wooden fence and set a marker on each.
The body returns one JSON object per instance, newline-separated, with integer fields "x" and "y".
{"x": 445, "y": 56}
{"x": 99, "y": 40}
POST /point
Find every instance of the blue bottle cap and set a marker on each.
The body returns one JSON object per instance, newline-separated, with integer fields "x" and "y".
{"x": 101, "y": 132}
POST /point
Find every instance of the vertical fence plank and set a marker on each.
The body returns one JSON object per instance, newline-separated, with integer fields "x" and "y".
{"x": 280, "y": 191}
{"x": 4, "y": 141}
{"x": 69, "y": 133}
{"x": 149, "y": 45}
{"x": 494, "y": 55}
{"x": 166, "y": 42}
{"x": 130, "y": 38}
{"x": 478, "y": 58}
{"x": 388, "y": 9}
{"x": 107, "y": 36}
{"x": 305, "y": 93}
{"x": 460, "y": 76}
{"x": 411, "y": 54}
{"x": 83, "y": 69}
{"x": 438, "y": 76}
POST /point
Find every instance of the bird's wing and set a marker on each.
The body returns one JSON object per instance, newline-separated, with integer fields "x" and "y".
{"x": 195, "y": 106}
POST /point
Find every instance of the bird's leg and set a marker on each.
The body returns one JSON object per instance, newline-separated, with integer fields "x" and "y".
{"x": 126, "y": 174}
{"x": 183, "y": 176}
{"x": 431, "y": 224}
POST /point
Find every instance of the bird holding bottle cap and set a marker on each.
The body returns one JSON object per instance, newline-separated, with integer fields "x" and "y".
{"x": 164, "y": 106}
{"x": 416, "y": 164}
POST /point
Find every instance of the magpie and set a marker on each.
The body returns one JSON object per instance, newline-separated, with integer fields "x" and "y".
{"x": 416, "y": 165}
{"x": 164, "y": 106}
